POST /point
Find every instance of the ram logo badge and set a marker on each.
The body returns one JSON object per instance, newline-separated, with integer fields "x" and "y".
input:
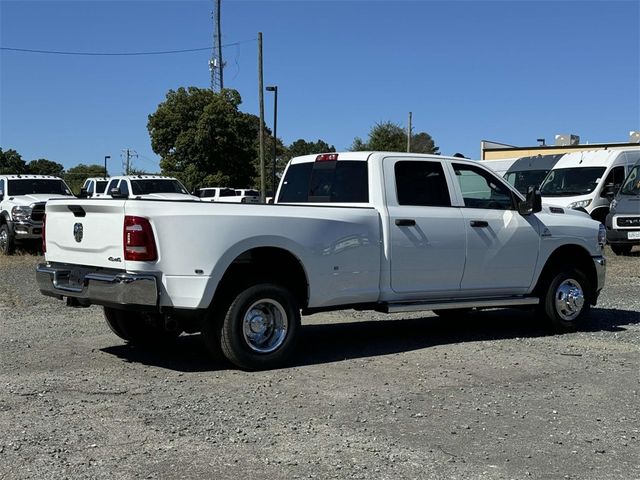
{"x": 77, "y": 232}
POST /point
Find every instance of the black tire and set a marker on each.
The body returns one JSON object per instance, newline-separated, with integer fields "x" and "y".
{"x": 453, "y": 313}
{"x": 621, "y": 249}
{"x": 137, "y": 327}
{"x": 566, "y": 299}
{"x": 7, "y": 240}
{"x": 260, "y": 328}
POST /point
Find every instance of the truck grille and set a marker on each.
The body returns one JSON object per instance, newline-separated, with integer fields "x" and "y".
{"x": 629, "y": 221}
{"x": 37, "y": 213}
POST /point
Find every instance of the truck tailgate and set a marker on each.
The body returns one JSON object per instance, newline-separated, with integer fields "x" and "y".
{"x": 85, "y": 232}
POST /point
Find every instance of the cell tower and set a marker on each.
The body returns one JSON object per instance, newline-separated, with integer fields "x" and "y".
{"x": 215, "y": 63}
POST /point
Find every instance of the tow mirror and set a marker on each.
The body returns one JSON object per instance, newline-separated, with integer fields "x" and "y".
{"x": 116, "y": 193}
{"x": 83, "y": 193}
{"x": 533, "y": 202}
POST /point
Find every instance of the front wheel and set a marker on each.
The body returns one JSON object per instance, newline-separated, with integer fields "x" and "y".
{"x": 7, "y": 240}
{"x": 260, "y": 327}
{"x": 566, "y": 300}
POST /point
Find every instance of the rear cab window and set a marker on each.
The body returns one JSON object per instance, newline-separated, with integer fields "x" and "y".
{"x": 421, "y": 183}
{"x": 326, "y": 181}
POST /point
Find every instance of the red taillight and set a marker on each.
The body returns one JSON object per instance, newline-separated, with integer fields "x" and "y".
{"x": 138, "y": 240}
{"x": 327, "y": 157}
{"x": 44, "y": 233}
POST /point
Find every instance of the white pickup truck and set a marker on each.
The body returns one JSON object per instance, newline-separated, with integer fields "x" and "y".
{"x": 393, "y": 232}
{"x": 22, "y": 200}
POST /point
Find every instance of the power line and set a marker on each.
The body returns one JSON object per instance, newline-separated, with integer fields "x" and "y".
{"x": 120, "y": 54}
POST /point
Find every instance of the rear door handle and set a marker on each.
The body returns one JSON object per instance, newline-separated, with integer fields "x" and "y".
{"x": 405, "y": 222}
{"x": 479, "y": 223}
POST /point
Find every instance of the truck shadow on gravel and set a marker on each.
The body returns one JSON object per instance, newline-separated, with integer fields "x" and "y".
{"x": 334, "y": 342}
{"x": 342, "y": 341}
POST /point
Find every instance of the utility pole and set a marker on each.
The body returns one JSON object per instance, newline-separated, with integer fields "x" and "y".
{"x": 215, "y": 63}
{"x": 127, "y": 154}
{"x": 409, "y": 134}
{"x": 263, "y": 189}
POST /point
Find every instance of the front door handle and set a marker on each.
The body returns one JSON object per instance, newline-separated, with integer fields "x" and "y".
{"x": 479, "y": 223}
{"x": 405, "y": 222}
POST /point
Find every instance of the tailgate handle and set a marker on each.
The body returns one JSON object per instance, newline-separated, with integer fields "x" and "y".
{"x": 479, "y": 223}
{"x": 77, "y": 210}
{"x": 405, "y": 222}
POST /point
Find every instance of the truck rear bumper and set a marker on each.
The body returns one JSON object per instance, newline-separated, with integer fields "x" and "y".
{"x": 93, "y": 286}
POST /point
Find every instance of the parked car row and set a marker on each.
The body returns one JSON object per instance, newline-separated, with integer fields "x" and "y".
{"x": 226, "y": 194}
{"x": 586, "y": 180}
{"x": 23, "y": 199}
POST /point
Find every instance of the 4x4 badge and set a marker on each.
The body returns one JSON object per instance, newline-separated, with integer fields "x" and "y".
{"x": 77, "y": 232}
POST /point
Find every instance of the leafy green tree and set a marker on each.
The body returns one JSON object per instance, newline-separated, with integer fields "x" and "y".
{"x": 302, "y": 147}
{"x": 42, "y": 166}
{"x": 11, "y": 162}
{"x": 391, "y": 137}
{"x": 203, "y": 138}
{"x": 75, "y": 176}
{"x": 281, "y": 162}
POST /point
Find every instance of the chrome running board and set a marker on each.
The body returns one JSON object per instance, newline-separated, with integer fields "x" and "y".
{"x": 462, "y": 303}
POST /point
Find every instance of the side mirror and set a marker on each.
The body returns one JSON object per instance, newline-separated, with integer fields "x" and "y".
{"x": 533, "y": 202}
{"x": 116, "y": 193}
{"x": 83, "y": 193}
{"x": 1, "y": 195}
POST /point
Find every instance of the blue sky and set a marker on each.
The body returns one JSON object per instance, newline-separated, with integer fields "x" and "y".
{"x": 510, "y": 71}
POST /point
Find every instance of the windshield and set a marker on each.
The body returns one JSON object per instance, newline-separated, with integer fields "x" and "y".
{"x": 37, "y": 185}
{"x": 156, "y": 185}
{"x": 631, "y": 185}
{"x": 525, "y": 179}
{"x": 567, "y": 182}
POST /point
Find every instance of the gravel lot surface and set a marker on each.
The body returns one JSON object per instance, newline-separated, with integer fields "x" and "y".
{"x": 367, "y": 396}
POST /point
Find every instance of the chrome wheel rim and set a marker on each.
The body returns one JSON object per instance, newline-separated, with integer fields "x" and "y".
{"x": 4, "y": 240}
{"x": 569, "y": 299}
{"x": 265, "y": 325}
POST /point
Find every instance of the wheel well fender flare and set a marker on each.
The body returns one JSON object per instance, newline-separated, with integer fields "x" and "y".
{"x": 567, "y": 256}
{"x": 252, "y": 256}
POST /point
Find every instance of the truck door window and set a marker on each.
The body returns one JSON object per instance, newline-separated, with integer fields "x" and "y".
{"x": 90, "y": 187}
{"x": 615, "y": 176}
{"x": 480, "y": 189}
{"x": 421, "y": 183}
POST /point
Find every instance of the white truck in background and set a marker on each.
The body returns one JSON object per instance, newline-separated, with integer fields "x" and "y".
{"x": 22, "y": 203}
{"x": 393, "y": 232}
{"x": 227, "y": 194}
{"x": 148, "y": 187}
{"x": 94, "y": 187}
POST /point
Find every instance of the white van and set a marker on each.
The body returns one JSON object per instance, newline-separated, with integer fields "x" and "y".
{"x": 530, "y": 171}
{"x": 588, "y": 180}
{"x": 501, "y": 165}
